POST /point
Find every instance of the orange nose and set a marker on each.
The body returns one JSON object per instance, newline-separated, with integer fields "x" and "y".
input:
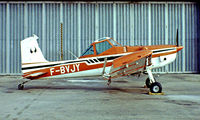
{"x": 179, "y": 48}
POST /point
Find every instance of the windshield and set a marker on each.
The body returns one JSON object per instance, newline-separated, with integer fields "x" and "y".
{"x": 102, "y": 46}
{"x": 89, "y": 51}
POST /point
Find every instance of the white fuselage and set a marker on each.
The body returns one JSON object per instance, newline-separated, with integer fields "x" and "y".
{"x": 156, "y": 63}
{"x": 162, "y": 60}
{"x": 75, "y": 65}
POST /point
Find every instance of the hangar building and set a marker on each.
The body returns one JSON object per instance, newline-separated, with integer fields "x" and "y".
{"x": 130, "y": 23}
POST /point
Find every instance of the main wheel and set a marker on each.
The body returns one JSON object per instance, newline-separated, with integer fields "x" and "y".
{"x": 148, "y": 83}
{"x": 156, "y": 87}
{"x": 20, "y": 87}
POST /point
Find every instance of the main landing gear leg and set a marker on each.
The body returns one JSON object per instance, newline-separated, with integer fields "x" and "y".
{"x": 155, "y": 87}
{"x": 21, "y": 85}
{"x": 109, "y": 81}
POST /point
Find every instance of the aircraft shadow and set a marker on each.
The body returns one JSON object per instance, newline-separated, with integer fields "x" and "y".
{"x": 108, "y": 89}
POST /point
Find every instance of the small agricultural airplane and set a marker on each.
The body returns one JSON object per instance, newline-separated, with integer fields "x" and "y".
{"x": 104, "y": 57}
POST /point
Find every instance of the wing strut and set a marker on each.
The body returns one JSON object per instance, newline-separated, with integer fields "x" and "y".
{"x": 104, "y": 66}
{"x": 104, "y": 74}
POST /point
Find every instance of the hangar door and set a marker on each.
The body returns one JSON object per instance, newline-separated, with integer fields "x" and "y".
{"x": 142, "y": 23}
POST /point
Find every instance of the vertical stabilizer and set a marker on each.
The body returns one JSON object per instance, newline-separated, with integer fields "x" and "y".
{"x": 30, "y": 51}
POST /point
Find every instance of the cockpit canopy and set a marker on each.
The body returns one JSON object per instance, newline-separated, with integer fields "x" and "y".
{"x": 100, "y": 45}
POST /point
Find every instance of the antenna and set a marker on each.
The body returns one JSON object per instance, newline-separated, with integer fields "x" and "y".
{"x": 72, "y": 54}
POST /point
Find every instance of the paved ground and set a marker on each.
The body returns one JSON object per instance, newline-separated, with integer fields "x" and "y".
{"x": 92, "y": 99}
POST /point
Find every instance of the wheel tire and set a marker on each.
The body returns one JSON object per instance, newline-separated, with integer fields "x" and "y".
{"x": 156, "y": 87}
{"x": 20, "y": 87}
{"x": 148, "y": 83}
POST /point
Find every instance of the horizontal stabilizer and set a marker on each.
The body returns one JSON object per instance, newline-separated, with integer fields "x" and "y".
{"x": 34, "y": 75}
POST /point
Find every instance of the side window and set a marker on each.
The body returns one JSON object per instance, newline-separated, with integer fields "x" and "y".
{"x": 103, "y": 46}
{"x": 89, "y": 51}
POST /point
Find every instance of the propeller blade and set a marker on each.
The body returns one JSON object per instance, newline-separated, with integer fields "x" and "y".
{"x": 177, "y": 38}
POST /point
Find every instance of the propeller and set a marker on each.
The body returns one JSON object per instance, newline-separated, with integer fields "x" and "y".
{"x": 177, "y": 38}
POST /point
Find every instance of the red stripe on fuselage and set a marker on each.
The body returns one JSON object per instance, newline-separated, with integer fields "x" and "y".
{"x": 66, "y": 69}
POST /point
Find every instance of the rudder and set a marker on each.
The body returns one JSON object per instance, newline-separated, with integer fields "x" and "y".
{"x": 30, "y": 51}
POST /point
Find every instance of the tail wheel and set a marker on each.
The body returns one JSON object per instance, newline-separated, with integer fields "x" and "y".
{"x": 156, "y": 87}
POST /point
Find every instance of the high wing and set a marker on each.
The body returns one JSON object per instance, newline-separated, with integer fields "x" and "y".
{"x": 132, "y": 63}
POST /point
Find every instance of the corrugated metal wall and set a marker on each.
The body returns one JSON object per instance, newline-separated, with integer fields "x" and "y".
{"x": 143, "y": 23}
{"x": 3, "y": 49}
